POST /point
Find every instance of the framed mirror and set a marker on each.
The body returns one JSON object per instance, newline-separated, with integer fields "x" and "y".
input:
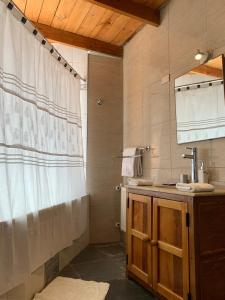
{"x": 200, "y": 102}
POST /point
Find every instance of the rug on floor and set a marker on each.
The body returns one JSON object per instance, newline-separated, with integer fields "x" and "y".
{"x": 63, "y": 288}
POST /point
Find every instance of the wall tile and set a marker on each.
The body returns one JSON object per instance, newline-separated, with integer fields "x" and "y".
{"x": 215, "y": 23}
{"x": 102, "y": 223}
{"x": 218, "y": 150}
{"x": 105, "y": 142}
{"x": 149, "y": 106}
{"x": 204, "y": 153}
{"x": 187, "y": 31}
{"x": 155, "y": 104}
{"x": 69, "y": 253}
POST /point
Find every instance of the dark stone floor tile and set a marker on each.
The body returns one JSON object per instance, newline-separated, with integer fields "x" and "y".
{"x": 106, "y": 263}
{"x": 127, "y": 290}
{"x": 101, "y": 270}
{"x": 91, "y": 253}
{"x": 70, "y": 271}
{"x": 112, "y": 250}
{"x": 99, "y": 252}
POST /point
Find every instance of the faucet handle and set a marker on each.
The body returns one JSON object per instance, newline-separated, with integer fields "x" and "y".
{"x": 194, "y": 149}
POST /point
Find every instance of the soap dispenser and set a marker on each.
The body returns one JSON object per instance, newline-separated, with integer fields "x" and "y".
{"x": 203, "y": 176}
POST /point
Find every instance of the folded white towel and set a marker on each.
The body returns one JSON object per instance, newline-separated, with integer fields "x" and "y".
{"x": 132, "y": 163}
{"x": 195, "y": 187}
{"x": 137, "y": 181}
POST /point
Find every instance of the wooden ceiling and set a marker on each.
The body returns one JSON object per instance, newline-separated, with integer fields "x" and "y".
{"x": 101, "y": 25}
{"x": 213, "y": 67}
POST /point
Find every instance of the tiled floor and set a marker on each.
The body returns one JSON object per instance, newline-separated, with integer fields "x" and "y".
{"x": 106, "y": 263}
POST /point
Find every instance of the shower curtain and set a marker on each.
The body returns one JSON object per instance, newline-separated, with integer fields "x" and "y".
{"x": 41, "y": 158}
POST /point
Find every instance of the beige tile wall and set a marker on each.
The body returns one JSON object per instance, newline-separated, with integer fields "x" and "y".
{"x": 149, "y": 105}
{"x": 105, "y": 141}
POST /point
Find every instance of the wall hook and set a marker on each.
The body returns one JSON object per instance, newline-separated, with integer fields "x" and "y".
{"x": 99, "y": 101}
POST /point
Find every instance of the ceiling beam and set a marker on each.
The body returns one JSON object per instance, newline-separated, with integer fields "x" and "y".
{"x": 208, "y": 70}
{"x": 77, "y": 40}
{"x": 131, "y": 9}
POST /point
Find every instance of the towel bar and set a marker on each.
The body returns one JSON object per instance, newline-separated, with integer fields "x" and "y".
{"x": 143, "y": 149}
{"x": 129, "y": 156}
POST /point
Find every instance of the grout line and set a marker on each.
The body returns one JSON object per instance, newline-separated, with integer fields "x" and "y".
{"x": 170, "y": 123}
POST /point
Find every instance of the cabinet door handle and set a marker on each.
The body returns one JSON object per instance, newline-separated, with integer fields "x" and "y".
{"x": 154, "y": 243}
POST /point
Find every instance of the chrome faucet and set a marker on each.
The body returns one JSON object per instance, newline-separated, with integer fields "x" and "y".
{"x": 194, "y": 162}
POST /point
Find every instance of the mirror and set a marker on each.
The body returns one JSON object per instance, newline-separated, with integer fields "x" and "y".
{"x": 200, "y": 103}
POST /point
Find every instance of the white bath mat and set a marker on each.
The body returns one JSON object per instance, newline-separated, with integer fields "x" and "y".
{"x": 63, "y": 288}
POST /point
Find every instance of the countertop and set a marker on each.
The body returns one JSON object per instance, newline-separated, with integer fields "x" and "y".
{"x": 172, "y": 190}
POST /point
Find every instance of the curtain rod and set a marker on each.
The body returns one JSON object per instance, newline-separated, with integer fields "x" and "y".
{"x": 198, "y": 85}
{"x": 37, "y": 34}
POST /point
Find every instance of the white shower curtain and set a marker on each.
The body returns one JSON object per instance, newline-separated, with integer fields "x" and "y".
{"x": 41, "y": 159}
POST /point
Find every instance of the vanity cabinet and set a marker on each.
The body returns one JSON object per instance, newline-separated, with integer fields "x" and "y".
{"x": 176, "y": 243}
{"x": 139, "y": 235}
{"x": 170, "y": 249}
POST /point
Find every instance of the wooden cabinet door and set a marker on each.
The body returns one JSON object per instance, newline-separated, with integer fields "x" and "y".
{"x": 170, "y": 249}
{"x": 139, "y": 236}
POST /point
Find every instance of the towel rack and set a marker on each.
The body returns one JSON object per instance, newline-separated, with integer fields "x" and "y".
{"x": 143, "y": 149}
{"x": 146, "y": 148}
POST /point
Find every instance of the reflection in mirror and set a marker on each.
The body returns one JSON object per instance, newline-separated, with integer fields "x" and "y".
{"x": 200, "y": 105}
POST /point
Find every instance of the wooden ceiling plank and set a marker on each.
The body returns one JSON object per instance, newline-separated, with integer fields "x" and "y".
{"x": 21, "y": 4}
{"x": 33, "y": 9}
{"x": 129, "y": 30}
{"x": 108, "y": 34}
{"x": 91, "y": 20}
{"x": 105, "y": 21}
{"x": 80, "y": 41}
{"x": 208, "y": 70}
{"x": 63, "y": 13}
{"x": 103, "y": 32}
{"x": 85, "y": 18}
{"x": 132, "y": 9}
{"x": 48, "y": 11}
{"x": 77, "y": 16}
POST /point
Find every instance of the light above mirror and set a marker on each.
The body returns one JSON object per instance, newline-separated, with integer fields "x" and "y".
{"x": 202, "y": 57}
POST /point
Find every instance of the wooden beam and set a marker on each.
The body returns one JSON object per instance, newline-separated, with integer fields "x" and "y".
{"x": 77, "y": 40}
{"x": 131, "y": 9}
{"x": 208, "y": 70}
